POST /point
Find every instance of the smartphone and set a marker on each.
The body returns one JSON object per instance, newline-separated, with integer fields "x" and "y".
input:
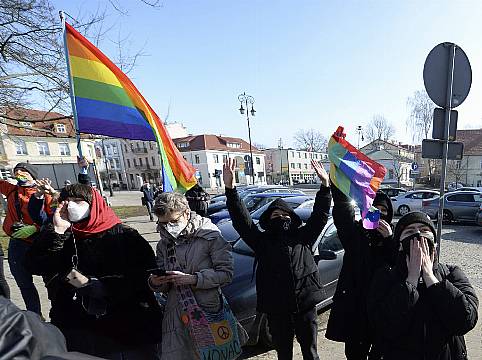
{"x": 157, "y": 272}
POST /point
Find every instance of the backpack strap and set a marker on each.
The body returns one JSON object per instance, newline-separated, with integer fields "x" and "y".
{"x": 18, "y": 207}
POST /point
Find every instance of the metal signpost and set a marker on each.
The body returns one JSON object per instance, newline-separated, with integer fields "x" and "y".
{"x": 447, "y": 76}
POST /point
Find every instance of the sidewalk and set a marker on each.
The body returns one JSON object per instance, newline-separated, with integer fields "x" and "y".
{"x": 326, "y": 348}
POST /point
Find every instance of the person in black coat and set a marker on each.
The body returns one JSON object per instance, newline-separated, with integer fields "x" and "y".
{"x": 287, "y": 280}
{"x": 198, "y": 200}
{"x": 365, "y": 252}
{"x": 148, "y": 198}
{"x": 421, "y": 309}
{"x": 96, "y": 272}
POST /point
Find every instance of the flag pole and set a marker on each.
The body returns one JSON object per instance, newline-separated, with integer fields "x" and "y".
{"x": 71, "y": 84}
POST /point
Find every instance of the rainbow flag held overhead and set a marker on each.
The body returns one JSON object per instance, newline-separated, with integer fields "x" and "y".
{"x": 106, "y": 102}
{"x": 356, "y": 175}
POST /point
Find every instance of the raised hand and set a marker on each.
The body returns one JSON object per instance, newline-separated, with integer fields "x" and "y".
{"x": 82, "y": 162}
{"x": 321, "y": 173}
{"x": 228, "y": 173}
{"x": 384, "y": 229}
{"x": 61, "y": 218}
{"x": 44, "y": 186}
{"x": 427, "y": 264}
{"x": 414, "y": 262}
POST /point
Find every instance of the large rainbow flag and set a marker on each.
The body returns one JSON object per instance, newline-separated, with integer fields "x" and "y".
{"x": 107, "y": 103}
{"x": 356, "y": 175}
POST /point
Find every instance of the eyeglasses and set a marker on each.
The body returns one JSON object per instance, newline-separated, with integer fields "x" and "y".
{"x": 171, "y": 222}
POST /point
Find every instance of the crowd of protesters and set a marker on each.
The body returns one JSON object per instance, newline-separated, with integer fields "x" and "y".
{"x": 394, "y": 300}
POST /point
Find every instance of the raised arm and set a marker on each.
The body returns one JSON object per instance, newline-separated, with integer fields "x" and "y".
{"x": 344, "y": 218}
{"x": 240, "y": 216}
{"x": 321, "y": 210}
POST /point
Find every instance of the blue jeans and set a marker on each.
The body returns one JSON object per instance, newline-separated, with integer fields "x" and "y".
{"x": 17, "y": 250}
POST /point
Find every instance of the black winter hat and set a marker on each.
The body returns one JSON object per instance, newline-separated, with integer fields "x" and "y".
{"x": 383, "y": 199}
{"x": 279, "y": 204}
{"x": 411, "y": 218}
{"x": 32, "y": 170}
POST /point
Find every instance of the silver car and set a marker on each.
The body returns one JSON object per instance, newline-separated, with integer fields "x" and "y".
{"x": 458, "y": 206}
{"x": 412, "y": 200}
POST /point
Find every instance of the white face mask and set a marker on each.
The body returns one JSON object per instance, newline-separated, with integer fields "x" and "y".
{"x": 78, "y": 211}
{"x": 176, "y": 228}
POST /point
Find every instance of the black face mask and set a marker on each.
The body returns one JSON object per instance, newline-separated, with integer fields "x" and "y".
{"x": 385, "y": 217}
{"x": 280, "y": 224}
{"x": 406, "y": 243}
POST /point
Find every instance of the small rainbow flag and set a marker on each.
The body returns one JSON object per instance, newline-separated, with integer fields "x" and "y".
{"x": 356, "y": 175}
{"x": 106, "y": 102}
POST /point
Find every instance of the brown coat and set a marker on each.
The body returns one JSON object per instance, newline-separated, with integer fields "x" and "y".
{"x": 200, "y": 250}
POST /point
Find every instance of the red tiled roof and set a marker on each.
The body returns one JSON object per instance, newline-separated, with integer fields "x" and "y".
{"x": 213, "y": 142}
{"x": 472, "y": 140}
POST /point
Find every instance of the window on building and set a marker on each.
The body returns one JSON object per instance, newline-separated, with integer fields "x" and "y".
{"x": 64, "y": 149}
{"x": 216, "y": 158}
{"x": 125, "y": 147}
{"x": 114, "y": 149}
{"x": 151, "y": 146}
{"x": 135, "y": 162}
{"x": 26, "y": 124}
{"x": 481, "y": 164}
{"x": 225, "y": 158}
{"x": 111, "y": 163}
{"x": 293, "y": 154}
{"x": 390, "y": 174}
{"x": 316, "y": 156}
{"x": 299, "y": 155}
{"x": 147, "y": 161}
{"x": 306, "y": 155}
{"x": 258, "y": 161}
{"x": 299, "y": 165}
{"x": 132, "y": 146}
{"x": 117, "y": 163}
{"x": 197, "y": 160}
{"x": 43, "y": 148}
{"x": 20, "y": 147}
{"x": 128, "y": 163}
{"x": 306, "y": 166}
{"x": 138, "y": 145}
{"x": 60, "y": 128}
{"x": 140, "y": 162}
{"x": 183, "y": 145}
{"x": 153, "y": 161}
{"x": 292, "y": 165}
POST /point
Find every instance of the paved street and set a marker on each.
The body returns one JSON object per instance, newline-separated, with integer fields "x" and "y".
{"x": 462, "y": 245}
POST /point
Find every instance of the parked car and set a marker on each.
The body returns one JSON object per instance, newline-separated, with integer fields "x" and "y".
{"x": 478, "y": 216}
{"x": 241, "y": 293}
{"x": 253, "y": 202}
{"x": 458, "y": 206}
{"x": 221, "y": 205}
{"x": 470, "y": 188}
{"x": 454, "y": 186}
{"x": 412, "y": 200}
{"x": 393, "y": 192}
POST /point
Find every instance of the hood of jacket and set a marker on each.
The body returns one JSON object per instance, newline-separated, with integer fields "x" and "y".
{"x": 383, "y": 199}
{"x": 279, "y": 204}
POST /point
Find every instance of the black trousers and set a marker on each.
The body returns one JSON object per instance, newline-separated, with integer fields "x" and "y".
{"x": 359, "y": 350}
{"x": 4, "y": 288}
{"x": 284, "y": 327}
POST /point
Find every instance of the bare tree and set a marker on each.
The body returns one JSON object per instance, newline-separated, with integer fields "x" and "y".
{"x": 379, "y": 129}
{"x": 457, "y": 170}
{"x": 259, "y": 146}
{"x": 420, "y": 117}
{"x": 310, "y": 140}
{"x": 32, "y": 64}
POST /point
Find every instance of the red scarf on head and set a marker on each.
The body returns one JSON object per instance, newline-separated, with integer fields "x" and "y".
{"x": 101, "y": 218}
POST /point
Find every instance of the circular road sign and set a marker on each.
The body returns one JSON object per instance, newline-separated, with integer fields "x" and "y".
{"x": 436, "y": 74}
{"x": 414, "y": 166}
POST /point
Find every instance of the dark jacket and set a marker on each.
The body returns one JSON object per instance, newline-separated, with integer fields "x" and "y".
{"x": 119, "y": 258}
{"x": 365, "y": 252}
{"x": 198, "y": 199}
{"x": 287, "y": 278}
{"x": 420, "y": 323}
{"x": 148, "y": 193}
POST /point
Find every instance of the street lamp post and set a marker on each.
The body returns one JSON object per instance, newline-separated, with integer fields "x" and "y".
{"x": 280, "y": 147}
{"x": 360, "y": 134}
{"x": 246, "y": 100}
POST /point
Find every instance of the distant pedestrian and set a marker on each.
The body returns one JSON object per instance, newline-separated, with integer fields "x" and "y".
{"x": 288, "y": 283}
{"x": 421, "y": 309}
{"x": 198, "y": 200}
{"x": 148, "y": 198}
{"x": 22, "y": 230}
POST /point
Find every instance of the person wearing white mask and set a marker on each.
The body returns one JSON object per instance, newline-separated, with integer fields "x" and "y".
{"x": 96, "y": 271}
{"x": 204, "y": 264}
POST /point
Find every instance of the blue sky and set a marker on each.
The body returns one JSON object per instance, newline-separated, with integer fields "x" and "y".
{"x": 309, "y": 64}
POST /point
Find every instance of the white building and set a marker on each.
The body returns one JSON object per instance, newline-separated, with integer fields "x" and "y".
{"x": 207, "y": 154}
{"x": 292, "y": 165}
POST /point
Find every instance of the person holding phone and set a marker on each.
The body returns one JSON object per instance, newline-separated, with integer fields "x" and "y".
{"x": 205, "y": 264}
{"x": 421, "y": 309}
{"x": 96, "y": 275}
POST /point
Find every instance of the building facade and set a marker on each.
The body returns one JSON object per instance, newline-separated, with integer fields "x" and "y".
{"x": 40, "y": 138}
{"x": 290, "y": 166}
{"x": 207, "y": 154}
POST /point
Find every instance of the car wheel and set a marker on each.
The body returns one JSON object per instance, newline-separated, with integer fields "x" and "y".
{"x": 448, "y": 216}
{"x": 404, "y": 209}
{"x": 264, "y": 334}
